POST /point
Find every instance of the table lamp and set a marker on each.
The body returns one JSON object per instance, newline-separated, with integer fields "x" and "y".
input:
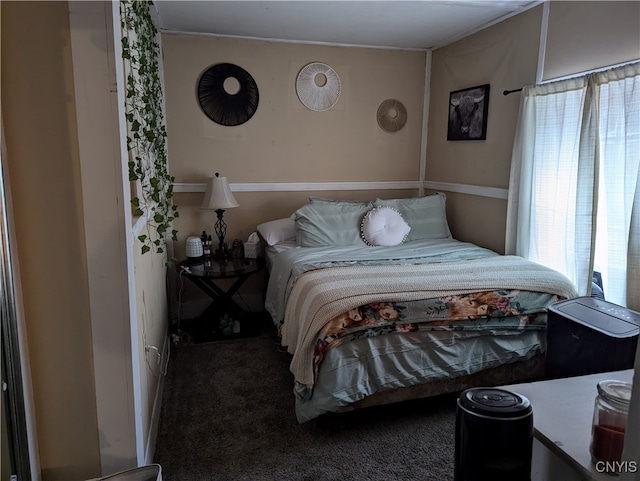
{"x": 218, "y": 197}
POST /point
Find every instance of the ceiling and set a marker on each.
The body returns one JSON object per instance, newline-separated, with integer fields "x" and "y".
{"x": 418, "y": 24}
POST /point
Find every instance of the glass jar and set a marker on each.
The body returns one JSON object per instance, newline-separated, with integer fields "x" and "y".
{"x": 609, "y": 421}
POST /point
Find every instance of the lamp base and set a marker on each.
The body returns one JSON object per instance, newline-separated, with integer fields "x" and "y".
{"x": 220, "y": 228}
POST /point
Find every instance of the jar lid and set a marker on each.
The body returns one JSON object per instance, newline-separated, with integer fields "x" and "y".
{"x": 615, "y": 390}
{"x": 497, "y": 403}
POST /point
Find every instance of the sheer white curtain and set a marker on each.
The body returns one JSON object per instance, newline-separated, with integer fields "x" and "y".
{"x": 618, "y": 242}
{"x": 574, "y": 197}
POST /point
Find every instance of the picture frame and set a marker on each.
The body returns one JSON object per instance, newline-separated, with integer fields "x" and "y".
{"x": 468, "y": 109}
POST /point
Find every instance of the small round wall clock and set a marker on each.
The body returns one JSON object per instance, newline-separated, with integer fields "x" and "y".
{"x": 227, "y": 94}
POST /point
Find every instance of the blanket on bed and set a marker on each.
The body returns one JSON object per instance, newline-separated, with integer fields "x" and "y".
{"x": 288, "y": 265}
{"x": 319, "y": 295}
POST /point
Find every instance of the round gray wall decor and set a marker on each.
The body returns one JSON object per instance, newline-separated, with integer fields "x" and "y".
{"x": 318, "y": 86}
{"x": 391, "y": 115}
{"x": 227, "y": 94}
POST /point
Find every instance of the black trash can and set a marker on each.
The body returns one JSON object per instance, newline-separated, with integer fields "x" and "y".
{"x": 494, "y": 436}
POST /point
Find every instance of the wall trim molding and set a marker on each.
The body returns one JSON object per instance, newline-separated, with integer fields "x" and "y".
{"x": 303, "y": 186}
{"x": 165, "y": 31}
{"x": 428, "y": 58}
{"x": 542, "y": 48}
{"x": 479, "y": 190}
{"x": 152, "y": 435}
{"x": 139, "y": 223}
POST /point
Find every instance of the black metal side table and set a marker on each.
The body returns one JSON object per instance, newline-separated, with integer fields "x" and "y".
{"x": 224, "y": 318}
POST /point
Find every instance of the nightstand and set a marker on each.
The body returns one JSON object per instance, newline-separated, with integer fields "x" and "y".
{"x": 224, "y": 318}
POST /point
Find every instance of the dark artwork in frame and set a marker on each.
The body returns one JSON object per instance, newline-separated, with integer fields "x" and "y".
{"x": 468, "y": 110}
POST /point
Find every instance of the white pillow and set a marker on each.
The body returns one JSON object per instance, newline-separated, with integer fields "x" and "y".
{"x": 384, "y": 226}
{"x": 277, "y": 231}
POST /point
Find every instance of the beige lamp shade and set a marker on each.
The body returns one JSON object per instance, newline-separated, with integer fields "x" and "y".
{"x": 218, "y": 194}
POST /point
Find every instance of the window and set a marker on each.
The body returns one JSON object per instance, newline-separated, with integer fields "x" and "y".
{"x": 574, "y": 201}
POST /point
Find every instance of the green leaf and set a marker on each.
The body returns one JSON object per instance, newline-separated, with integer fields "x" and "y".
{"x": 147, "y": 134}
{"x": 145, "y": 249}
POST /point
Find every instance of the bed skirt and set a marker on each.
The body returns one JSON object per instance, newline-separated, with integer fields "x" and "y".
{"x": 521, "y": 371}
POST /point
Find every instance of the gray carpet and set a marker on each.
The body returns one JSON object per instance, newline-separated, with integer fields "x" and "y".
{"x": 227, "y": 414}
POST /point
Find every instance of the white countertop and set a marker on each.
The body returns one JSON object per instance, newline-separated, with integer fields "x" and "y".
{"x": 563, "y": 413}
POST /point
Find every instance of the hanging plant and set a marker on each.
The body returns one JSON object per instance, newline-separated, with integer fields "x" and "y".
{"x": 146, "y": 131}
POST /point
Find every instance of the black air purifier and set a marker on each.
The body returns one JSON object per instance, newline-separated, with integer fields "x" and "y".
{"x": 494, "y": 436}
{"x": 586, "y": 335}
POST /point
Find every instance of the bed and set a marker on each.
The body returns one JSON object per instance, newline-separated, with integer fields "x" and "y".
{"x": 377, "y": 303}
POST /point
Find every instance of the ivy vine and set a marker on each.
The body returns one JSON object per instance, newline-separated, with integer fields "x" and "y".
{"x": 146, "y": 130}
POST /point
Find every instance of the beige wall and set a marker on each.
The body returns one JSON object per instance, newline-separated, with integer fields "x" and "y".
{"x": 84, "y": 281}
{"x": 284, "y": 141}
{"x": 42, "y": 152}
{"x": 152, "y": 326}
{"x": 504, "y": 56}
{"x": 585, "y": 35}
{"x": 581, "y": 35}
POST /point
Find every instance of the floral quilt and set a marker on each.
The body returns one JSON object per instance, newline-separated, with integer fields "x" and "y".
{"x": 487, "y": 311}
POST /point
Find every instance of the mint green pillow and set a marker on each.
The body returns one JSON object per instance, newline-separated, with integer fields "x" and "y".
{"x": 326, "y": 200}
{"x": 426, "y": 215}
{"x": 330, "y": 224}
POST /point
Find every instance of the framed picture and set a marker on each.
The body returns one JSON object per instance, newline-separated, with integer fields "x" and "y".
{"x": 468, "y": 110}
